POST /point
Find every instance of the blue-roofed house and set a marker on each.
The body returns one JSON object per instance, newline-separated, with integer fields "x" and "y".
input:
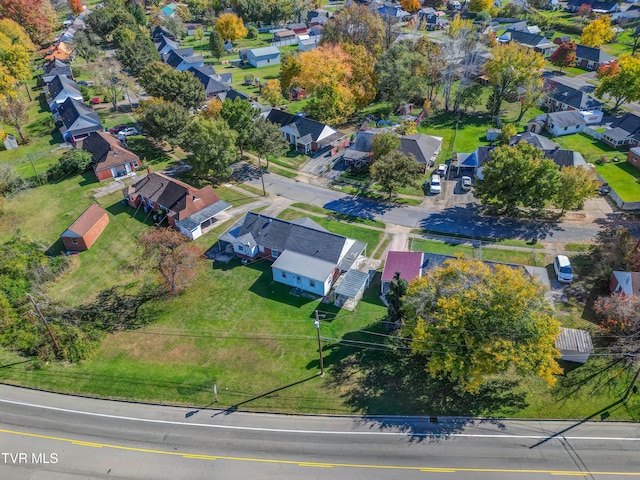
{"x": 262, "y": 57}
{"x": 169, "y": 10}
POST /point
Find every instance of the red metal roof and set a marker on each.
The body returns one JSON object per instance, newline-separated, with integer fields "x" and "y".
{"x": 409, "y": 264}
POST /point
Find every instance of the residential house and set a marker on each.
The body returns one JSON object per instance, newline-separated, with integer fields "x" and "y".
{"x": 631, "y": 14}
{"x": 84, "y": 232}
{"x": 624, "y": 132}
{"x": 78, "y": 120}
{"x": 54, "y": 68}
{"x": 159, "y": 31}
{"x": 316, "y": 30}
{"x": 317, "y": 17}
{"x": 596, "y": 7}
{"x": 192, "y": 211}
{"x": 261, "y": 57}
{"x": 393, "y": 11}
{"x": 283, "y": 36}
{"x": 165, "y": 44}
{"x": 110, "y": 158}
{"x": 309, "y": 43}
{"x": 564, "y": 123}
{"x": 62, "y": 51}
{"x": 562, "y": 39}
{"x": 429, "y": 18}
{"x": 182, "y": 59}
{"x": 423, "y": 148}
{"x": 305, "y": 134}
{"x": 59, "y": 89}
{"x": 539, "y": 43}
{"x": 574, "y": 345}
{"x": 564, "y": 97}
{"x": 592, "y": 58}
{"x": 67, "y": 36}
{"x": 305, "y": 256}
{"x": 298, "y": 28}
{"x": 493, "y": 134}
{"x": 232, "y": 94}
{"x": 212, "y": 83}
{"x": 633, "y": 157}
{"x": 523, "y": 27}
{"x": 410, "y": 265}
{"x": 626, "y": 283}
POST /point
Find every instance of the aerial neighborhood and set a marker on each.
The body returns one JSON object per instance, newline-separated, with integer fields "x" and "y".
{"x": 421, "y": 201}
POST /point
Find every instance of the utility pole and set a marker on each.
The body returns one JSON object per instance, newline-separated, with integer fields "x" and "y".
{"x": 316, "y": 323}
{"x": 46, "y": 324}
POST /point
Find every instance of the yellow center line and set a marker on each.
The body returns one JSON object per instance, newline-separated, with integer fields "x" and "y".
{"x": 314, "y": 464}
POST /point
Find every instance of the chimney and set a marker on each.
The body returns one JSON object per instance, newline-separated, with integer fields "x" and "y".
{"x": 148, "y": 170}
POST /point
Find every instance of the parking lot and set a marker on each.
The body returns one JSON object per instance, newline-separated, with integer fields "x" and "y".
{"x": 452, "y": 193}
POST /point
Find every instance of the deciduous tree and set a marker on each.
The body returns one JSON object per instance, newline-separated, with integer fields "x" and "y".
{"x": 198, "y": 35}
{"x": 510, "y": 67}
{"x": 267, "y": 140}
{"x": 13, "y": 110}
{"x": 230, "y": 27}
{"x": 74, "y": 162}
{"x": 16, "y": 51}
{"x": 216, "y": 45}
{"x": 273, "y": 93}
{"x": 169, "y": 253}
{"x": 620, "y": 80}
{"x": 113, "y": 81}
{"x": 163, "y": 120}
{"x": 356, "y": 24}
{"x": 598, "y": 32}
{"x": 289, "y": 69}
{"x": 394, "y": 170}
{"x": 410, "y": 5}
{"x": 86, "y": 47}
{"x": 518, "y": 175}
{"x": 407, "y": 127}
{"x": 584, "y": 10}
{"x": 480, "y": 5}
{"x": 214, "y": 107}
{"x": 160, "y": 80}
{"x": 473, "y": 321}
{"x": 565, "y": 55}
{"x": 508, "y": 130}
{"x": 384, "y": 143}
{"x": 239, "y": 115}
{"x": 76, "y": 7}
{"x": 619, "y": 313}
{"x": 35, "y": 16}
{"x": 211, "y": 147}
{"x": 576, "y": 185}
{"x": 137, "y": 54}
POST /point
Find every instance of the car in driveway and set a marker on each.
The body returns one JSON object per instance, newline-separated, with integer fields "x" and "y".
{"x": 562, "y": 267}
{"x": 442, "y": 169}
{"x": 435, "y": 186}
{"x": 465, "y": 183}
{"x": 117, "y": 129}
{"x": 129, "y": 131}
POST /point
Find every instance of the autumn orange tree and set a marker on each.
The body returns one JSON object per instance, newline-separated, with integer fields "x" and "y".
{"x": 339, "y": 81}
{"x": 410, "y": 5}
{"x": 168, "y": 252}
{"x": 473, "y": 321}
{"x": 230, "y": 27}
{"x": 359, "y": 25}
{"x": 76, "y": 6}
{"x": 35, "y": 16}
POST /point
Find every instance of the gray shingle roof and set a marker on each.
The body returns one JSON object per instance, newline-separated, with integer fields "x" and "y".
{"x": 571, "y": 96}
{"x": 525, "y": 38}
{"x": 302, "y": 126}
{"x": 78, "y": 118}
{"x": 207, "y": 76}
{"x": 60, "y": 84}
{"x": 421, "y": 146}
{"x": 534, "y": 139}
{"x": 567, "y": 118}
{"x": 593, "y": 54}
{"x": 304, "y": 265}
{"x": 628, "y": 122}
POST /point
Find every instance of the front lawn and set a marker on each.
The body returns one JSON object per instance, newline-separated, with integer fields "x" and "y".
{"x": 590, "y": 148}
{"x": 623, "y": 178}
{"x": 488, "y": 253}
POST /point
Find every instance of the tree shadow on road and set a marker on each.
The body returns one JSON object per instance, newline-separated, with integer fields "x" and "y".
{"x": 392, "y": 381}
{"x": 360, "y": 207}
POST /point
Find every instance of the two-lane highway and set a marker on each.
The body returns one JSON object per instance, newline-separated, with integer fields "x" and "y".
{"x": 64, "y": 437}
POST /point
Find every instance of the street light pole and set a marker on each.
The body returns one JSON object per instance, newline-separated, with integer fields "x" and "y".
{"x": 316, "y": 323}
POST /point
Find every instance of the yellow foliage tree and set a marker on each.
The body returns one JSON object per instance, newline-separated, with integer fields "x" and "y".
{"x": 597, "y": 32}
{"x": 230, "y": 27}
{"x": 473, "y": 321}
{"x": 16, "y": 50}
{"x": 214, "y": 106}
{"x": 480, "y": 5}
{"x": 272, "y": 92}
{"x": 410, "y": 5}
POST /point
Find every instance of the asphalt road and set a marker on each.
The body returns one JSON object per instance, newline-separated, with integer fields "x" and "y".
{"x": 465, "y": 219}
{"x": 55, "y": 437}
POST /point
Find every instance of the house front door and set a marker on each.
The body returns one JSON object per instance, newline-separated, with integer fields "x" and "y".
{"x": 127, "y": 166}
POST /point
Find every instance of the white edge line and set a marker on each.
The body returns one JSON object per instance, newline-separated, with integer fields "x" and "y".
{"x": 315, "y": 432}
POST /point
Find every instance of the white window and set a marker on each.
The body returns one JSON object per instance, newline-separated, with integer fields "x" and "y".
{"x": 312, "y": 283}
{"x": 261, "y": 248}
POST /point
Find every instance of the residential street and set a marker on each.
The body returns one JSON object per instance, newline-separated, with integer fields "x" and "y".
{"x": 84, "y": 438}
{"x": 463, "y": 219}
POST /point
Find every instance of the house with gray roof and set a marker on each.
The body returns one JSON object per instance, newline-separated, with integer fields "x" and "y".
{"x": 56, "y": 67}
{"x": 624, "y": 132}
{"x": 305, "y": 134}
{"x": 78, "y": 120}
{"x": 592, "y": 58}
{"x": 165, "y": 44}
{"x": 261, "y": 57}
{"x": 182, "y": 59}
{"x": 564, "y": 123}
{"x": 305, "y": 255}
{"x": 539, "y": 43}
{"x": 563, "y": 97}
{"x": 524, "y": 27}
{"x": 59, "y": 89}
{"x": 212, "y": 82}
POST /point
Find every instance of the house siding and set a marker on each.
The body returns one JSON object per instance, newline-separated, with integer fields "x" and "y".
{"x": 106, "y": 173}
{"x": 287, "y": 278}
{"x": 558, "y": 132}
{"x": 86, "y": 241}
{"x": 634, "y": 159}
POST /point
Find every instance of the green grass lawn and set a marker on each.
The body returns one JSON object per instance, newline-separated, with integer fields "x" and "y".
{"x": 343, "y": 217}
{"x": 292, "y": 159}
{"x": 370, "y": 237}
{"x": 488, "y": 253}
{"x": 623, "y": 178}
{"x": 590, "y": 148}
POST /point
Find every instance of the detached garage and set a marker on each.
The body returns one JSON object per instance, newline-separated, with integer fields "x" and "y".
{"x": 86, "y": 229}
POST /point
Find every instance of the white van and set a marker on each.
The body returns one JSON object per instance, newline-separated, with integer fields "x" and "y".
{"x": 562, "y": 266}
{"x": 435, "y": 186}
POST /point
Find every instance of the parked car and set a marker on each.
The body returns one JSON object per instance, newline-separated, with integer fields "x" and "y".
{"x": 442, "y": 169}
{"x": 562, "y": 267}
{"x": 129, "y": 131}
{"x": 117, "y": 129}
{"x": 465, "y": 183}
{"x": 604, "y": 189}
{"x": 95, "y": 101}
{"x": 435, "y": 186}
